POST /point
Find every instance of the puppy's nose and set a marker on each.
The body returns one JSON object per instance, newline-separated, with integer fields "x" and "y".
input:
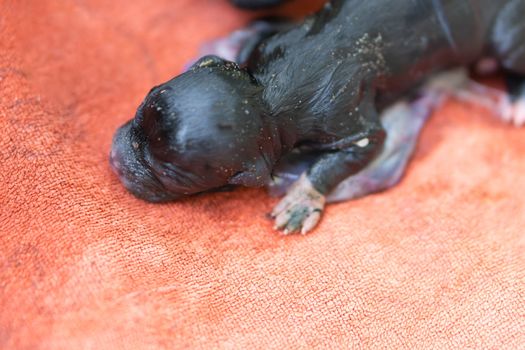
{"x": 118, "y": 149}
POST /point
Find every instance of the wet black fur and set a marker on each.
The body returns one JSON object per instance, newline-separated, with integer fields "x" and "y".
{"x": 320, "y": 85}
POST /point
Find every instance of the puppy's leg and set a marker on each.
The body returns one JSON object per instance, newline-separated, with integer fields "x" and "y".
{"x": 301, "y": 207}
{"x": 403, "y": 123}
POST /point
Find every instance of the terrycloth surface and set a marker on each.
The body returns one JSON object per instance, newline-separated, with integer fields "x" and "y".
{"x": 437, "y": 262}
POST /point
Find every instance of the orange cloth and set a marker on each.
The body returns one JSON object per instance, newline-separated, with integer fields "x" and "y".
{"x": 437, "y": 262}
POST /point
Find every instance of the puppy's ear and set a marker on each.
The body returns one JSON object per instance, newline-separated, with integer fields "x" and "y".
{"x": 209, "y": 61}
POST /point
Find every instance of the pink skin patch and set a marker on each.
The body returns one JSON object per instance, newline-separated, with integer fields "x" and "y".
{"x": 497, "y": 101}
{"x": 487, "y": 66}
{"x": 301, "y": 208}
{"x": 519, "y": 113}
{"x": 227, "y": 47}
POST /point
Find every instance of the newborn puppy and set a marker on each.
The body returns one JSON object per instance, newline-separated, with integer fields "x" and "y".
{"x": 317, "y": 88}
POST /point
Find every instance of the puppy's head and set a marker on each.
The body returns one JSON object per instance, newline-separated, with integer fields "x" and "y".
{"x": 199, "y": 131}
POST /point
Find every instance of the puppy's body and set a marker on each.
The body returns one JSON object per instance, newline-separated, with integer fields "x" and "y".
{"x": 319, "y": 86}
{"x": 332, "y": 75}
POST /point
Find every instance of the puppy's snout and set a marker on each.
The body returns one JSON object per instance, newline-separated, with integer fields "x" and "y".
{"x": 116, "y": 155}
{"x": 125, "y": 159}
{"x": 115, "y": 161}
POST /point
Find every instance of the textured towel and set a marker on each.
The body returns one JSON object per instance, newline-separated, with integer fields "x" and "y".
{"x": 437, "y": 262}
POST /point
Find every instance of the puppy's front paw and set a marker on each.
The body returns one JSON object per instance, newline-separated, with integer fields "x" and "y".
{"x": 301, "y": 208}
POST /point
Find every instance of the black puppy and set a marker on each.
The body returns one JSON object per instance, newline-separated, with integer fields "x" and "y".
{"x": 318, "y": 87}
